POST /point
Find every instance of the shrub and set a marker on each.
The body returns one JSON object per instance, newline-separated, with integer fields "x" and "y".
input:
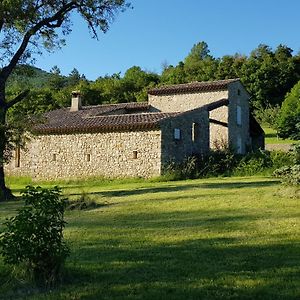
{"x": 225, "y": 163}
{"x": 253, "y": 163}
{"x": 289, "y": 175}
{"x": 184, "y": 170}
{"x": 289, "y": 118}
{"x": 217, "y": 162}
{"x": 34, "y": 237}
{"x": 281, "y": 158}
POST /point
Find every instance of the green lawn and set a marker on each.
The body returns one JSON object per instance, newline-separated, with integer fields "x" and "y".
{"x": 271, "y": 137}
{"x": 225, "y": 238}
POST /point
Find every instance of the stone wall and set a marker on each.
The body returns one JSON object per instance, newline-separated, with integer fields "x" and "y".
{"x": 238, "y": 96}
{"x": 236, "y": 135}
{"x": 189, "y": 101}
{"x": 109, "y": 154}
{"x": 193, "y": 139}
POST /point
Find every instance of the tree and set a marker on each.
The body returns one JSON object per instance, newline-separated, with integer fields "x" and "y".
{"x": 26, "y": 27}
{"x": 56, "y": 80}
{"x": 289, "y": 119}
{"x": 199, "y": 64}
{"x": 74, "y": 77}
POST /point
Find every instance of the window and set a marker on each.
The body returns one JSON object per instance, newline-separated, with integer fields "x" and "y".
{"x": 134, "y": 154}
{"x": 88, "y": 157}
{"x": 177, "y": 134}
{"x": 53, "y": 157}
{"x": 239, "y": 92}
{"x": 238, "y": 115}
{"x": 195, "y": 131}
{"x": 17, "y": 157}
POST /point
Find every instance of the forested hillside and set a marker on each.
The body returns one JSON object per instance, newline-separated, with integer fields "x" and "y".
{"x": 268, "y": 74}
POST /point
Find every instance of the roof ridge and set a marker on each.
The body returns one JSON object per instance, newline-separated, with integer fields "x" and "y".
{"x": 135, "y": 114}
{"x": 195, "y": 86}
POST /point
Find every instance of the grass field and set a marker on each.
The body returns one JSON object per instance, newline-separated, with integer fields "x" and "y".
{"x": 272, "y": 138}
{"x": 224, "y": 238}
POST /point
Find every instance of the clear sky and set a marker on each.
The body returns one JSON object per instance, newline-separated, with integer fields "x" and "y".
{"x": 159, "y": 31}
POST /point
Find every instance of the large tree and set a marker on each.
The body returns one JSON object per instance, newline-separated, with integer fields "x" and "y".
{"x": 27, "y": 27}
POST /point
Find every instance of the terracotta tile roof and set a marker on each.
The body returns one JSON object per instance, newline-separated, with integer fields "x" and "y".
{"x": 105, "y": 118}
{"x": 205, "y": 86}
{"x": 99, "y": 119}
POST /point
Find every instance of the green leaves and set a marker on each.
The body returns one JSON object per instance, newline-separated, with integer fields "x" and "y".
{"x": 289, "y": 119}
{"x": 34, "y": 237}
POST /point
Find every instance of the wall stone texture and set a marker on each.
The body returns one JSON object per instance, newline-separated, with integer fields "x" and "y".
{"x": 108, "y": 154}
{"x": 237, "y": 96}
{"x": 194, "y": 136}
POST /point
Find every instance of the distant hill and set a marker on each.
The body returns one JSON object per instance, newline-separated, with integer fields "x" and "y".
{"x": 30, "y": 77}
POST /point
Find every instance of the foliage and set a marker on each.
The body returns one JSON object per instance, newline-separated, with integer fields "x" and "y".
{"x": 267, "y": 74}
{"x": 217, "y": 162}
{"x": 253, "y": 163}
{"x": 289, "y": 120}
{"x": 289, "y": 175}
{"x": 223, "y": 162}
{"x": 34, "y": 237}
{"x": 29, "y": 27}
{"x": 269, "y": 116}
{"x": 267, "y": 87}
{"x": 178, "y": 171}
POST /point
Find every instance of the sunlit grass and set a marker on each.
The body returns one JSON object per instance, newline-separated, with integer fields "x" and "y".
{"x": 272, "y": 138}
{"x": 221, "y": 238}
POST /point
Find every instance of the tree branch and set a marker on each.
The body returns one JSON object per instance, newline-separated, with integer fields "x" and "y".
{"x": 17, "y": 99}
{"x": 1, "y": 24}
{"x": 57, "y": 17}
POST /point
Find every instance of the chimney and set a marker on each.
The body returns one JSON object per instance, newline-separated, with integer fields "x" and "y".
{"x": 76, "y": 101}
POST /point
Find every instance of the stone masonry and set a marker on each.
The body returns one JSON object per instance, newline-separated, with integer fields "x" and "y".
{"x": 234, "y": 134}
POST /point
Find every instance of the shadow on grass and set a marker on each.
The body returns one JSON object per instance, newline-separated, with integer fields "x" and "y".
{"x": 204, "y": 268}
{"x": 217, "y": 268}
{"x": 180, "y": 188}
{"x": 271, "y": 135}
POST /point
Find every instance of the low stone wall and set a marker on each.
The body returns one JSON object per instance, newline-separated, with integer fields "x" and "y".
{"x": 112, "y": 154}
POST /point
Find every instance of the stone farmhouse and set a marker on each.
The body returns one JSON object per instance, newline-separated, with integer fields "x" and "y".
{"x": 139, "y": 139}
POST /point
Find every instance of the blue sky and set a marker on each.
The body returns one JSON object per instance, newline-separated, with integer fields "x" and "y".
{"x": 159, "y": 31}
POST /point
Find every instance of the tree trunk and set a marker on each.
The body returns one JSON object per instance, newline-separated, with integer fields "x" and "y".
{"x": 5, "y": 193}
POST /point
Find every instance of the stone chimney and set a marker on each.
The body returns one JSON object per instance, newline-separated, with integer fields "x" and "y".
{"x": 76, "y": 101}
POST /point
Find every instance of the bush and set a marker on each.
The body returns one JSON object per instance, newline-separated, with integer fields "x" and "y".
{"x": 282, "y": 158}
{"x": 253, "y": 163}
{"x": 289, "y": 118}
{"x": 217, "y": 162}
{"x": 34, "y": 237}
{"x": 289, "y": 175}
{"x": 177, "y": 171}
{"x": 226, "y": 163}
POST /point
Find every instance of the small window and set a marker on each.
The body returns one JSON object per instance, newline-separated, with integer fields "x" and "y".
{"x": 177, "y": 134}
{"x": 17, "y": 157}
{"x": 195, "y": 131}
{"x": 88, "y": 157}
{"x": 134, "y": 154}
{"x": 238, "y": 115}
{"x": 54, "y": 157}
{"x": 239, "y": 92}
